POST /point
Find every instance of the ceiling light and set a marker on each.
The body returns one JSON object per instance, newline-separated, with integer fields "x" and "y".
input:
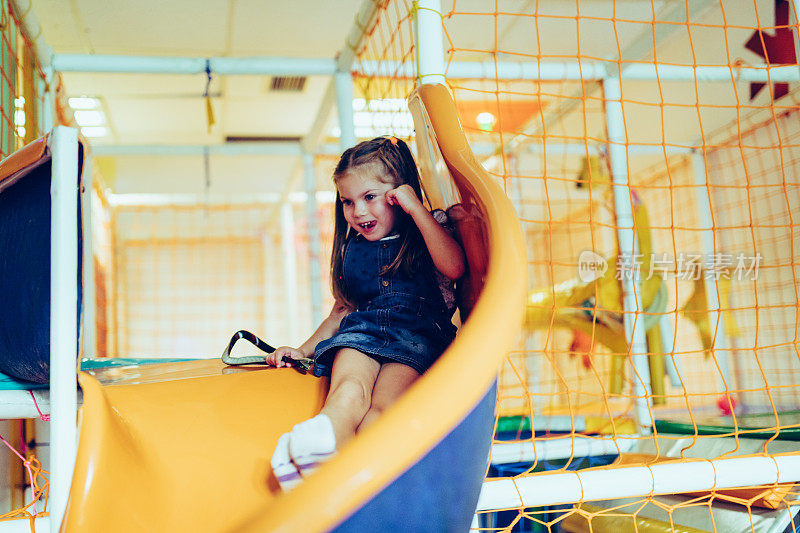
{"x": 90, "y": 117}
{"x": 380, "y": 116}
{"x": 485, "y": 121}
{"x": 84, "y": 102}
{"x": 94, "y": 131}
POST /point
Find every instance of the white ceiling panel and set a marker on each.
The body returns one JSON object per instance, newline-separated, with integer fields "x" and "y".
{"x": 298, "y": 28}
{"x": 232, "y": 176}
{"x": 160, "y": 120}
{"x": 143, "y": 27}
{"x": 137, "y": 85}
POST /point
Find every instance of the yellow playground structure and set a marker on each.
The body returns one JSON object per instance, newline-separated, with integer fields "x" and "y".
{"x": 623, "y": 177}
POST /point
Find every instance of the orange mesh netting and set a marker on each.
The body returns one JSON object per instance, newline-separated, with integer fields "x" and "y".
{"x": 704, "y": 153}
{"x": 189, "y": 275}
{"x": 687, "y": 108}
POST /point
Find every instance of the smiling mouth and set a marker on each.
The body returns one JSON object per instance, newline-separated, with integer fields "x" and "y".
{"x": 367, "y": 225}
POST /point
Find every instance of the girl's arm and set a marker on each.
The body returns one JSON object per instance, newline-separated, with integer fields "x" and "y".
{"x": 326, "y": 330}
{"x": 446, "y": 253}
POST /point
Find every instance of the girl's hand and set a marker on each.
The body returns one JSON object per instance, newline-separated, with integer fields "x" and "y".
{"x": 405, "y": 197}
{"x": 276, "y": 358}
{"x": 447, "y": 255}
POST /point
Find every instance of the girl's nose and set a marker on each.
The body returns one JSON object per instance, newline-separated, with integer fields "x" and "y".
{"x": 360, "y": 208}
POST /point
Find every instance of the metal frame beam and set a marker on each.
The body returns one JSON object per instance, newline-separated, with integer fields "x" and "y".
{"x": 260, "y": 66}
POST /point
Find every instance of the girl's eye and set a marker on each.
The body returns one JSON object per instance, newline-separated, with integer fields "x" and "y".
{"x": 346, "y": 202}
{"x": 369, "y": 197}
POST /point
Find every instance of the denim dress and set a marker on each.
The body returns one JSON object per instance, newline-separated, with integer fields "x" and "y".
{"x": 399, "y": 318}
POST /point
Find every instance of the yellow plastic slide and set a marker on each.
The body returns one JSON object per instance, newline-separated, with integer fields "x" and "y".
{"x": 186, "y": 446}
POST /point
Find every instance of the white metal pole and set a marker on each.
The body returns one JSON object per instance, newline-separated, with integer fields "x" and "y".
{"x": 632, "y": 296}
{"x": 290, "y": 271}
{"x": 429, "y": 42}
{"x": 88, "y": 300}
{"x": 720, "y": 343}
{"x": 560, "y": 448}
{"x": 312, "y": 219}
{"x": 796, "y": 10}
{"x": 48, "y": 108}
{"x": 587, "y": 70}
{"x": 63, "y": 318}
{"x": 691, "y": 475}
{"x": 344, "y": 105}
{"x": 672, "y": 360}
{"x": 267, "y": 252}
{"x": 223, "y": 66}
{"x": 504, "y": 70}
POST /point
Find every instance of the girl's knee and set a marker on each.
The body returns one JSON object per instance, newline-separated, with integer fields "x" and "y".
{"x": 351, "y": 392}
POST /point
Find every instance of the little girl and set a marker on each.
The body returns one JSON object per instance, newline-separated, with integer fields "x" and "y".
{"x": 390, "y": 321}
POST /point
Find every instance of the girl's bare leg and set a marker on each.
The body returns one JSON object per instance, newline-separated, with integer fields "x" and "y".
{"x": 393, "y": 380}
{"x": 353, "y": 377}
{"x": 311, "y": 442}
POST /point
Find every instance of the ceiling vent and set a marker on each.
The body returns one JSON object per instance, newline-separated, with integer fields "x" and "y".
{"x": 289, "y": 84}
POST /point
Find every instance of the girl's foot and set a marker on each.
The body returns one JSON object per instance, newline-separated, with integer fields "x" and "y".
{"x": 311, "y": 443}
{"x": 284, "y": 469}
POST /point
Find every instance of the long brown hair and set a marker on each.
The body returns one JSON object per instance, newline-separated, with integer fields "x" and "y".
{"x": 393, "y": 157}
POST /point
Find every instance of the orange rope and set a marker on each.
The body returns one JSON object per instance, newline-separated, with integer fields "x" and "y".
{"x": 38, "y": 492}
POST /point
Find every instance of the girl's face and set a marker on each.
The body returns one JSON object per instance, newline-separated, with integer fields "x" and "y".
{"x": 363, "y": 196}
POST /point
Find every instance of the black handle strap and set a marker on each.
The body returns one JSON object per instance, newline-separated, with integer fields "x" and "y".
{"x": 302, "y": 365}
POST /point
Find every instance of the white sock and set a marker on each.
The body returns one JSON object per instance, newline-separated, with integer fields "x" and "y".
{"x": 282, "y": 466}
{"x": 312, "y": 442}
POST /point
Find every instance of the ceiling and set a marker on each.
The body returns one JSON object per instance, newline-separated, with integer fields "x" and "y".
{"x": 169, "y": 109}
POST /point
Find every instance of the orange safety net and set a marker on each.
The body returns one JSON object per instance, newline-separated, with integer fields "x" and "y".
{"x": 379, "y": 106}
{"x": 186, "y": 276}
{"x": 707, "y": 165}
